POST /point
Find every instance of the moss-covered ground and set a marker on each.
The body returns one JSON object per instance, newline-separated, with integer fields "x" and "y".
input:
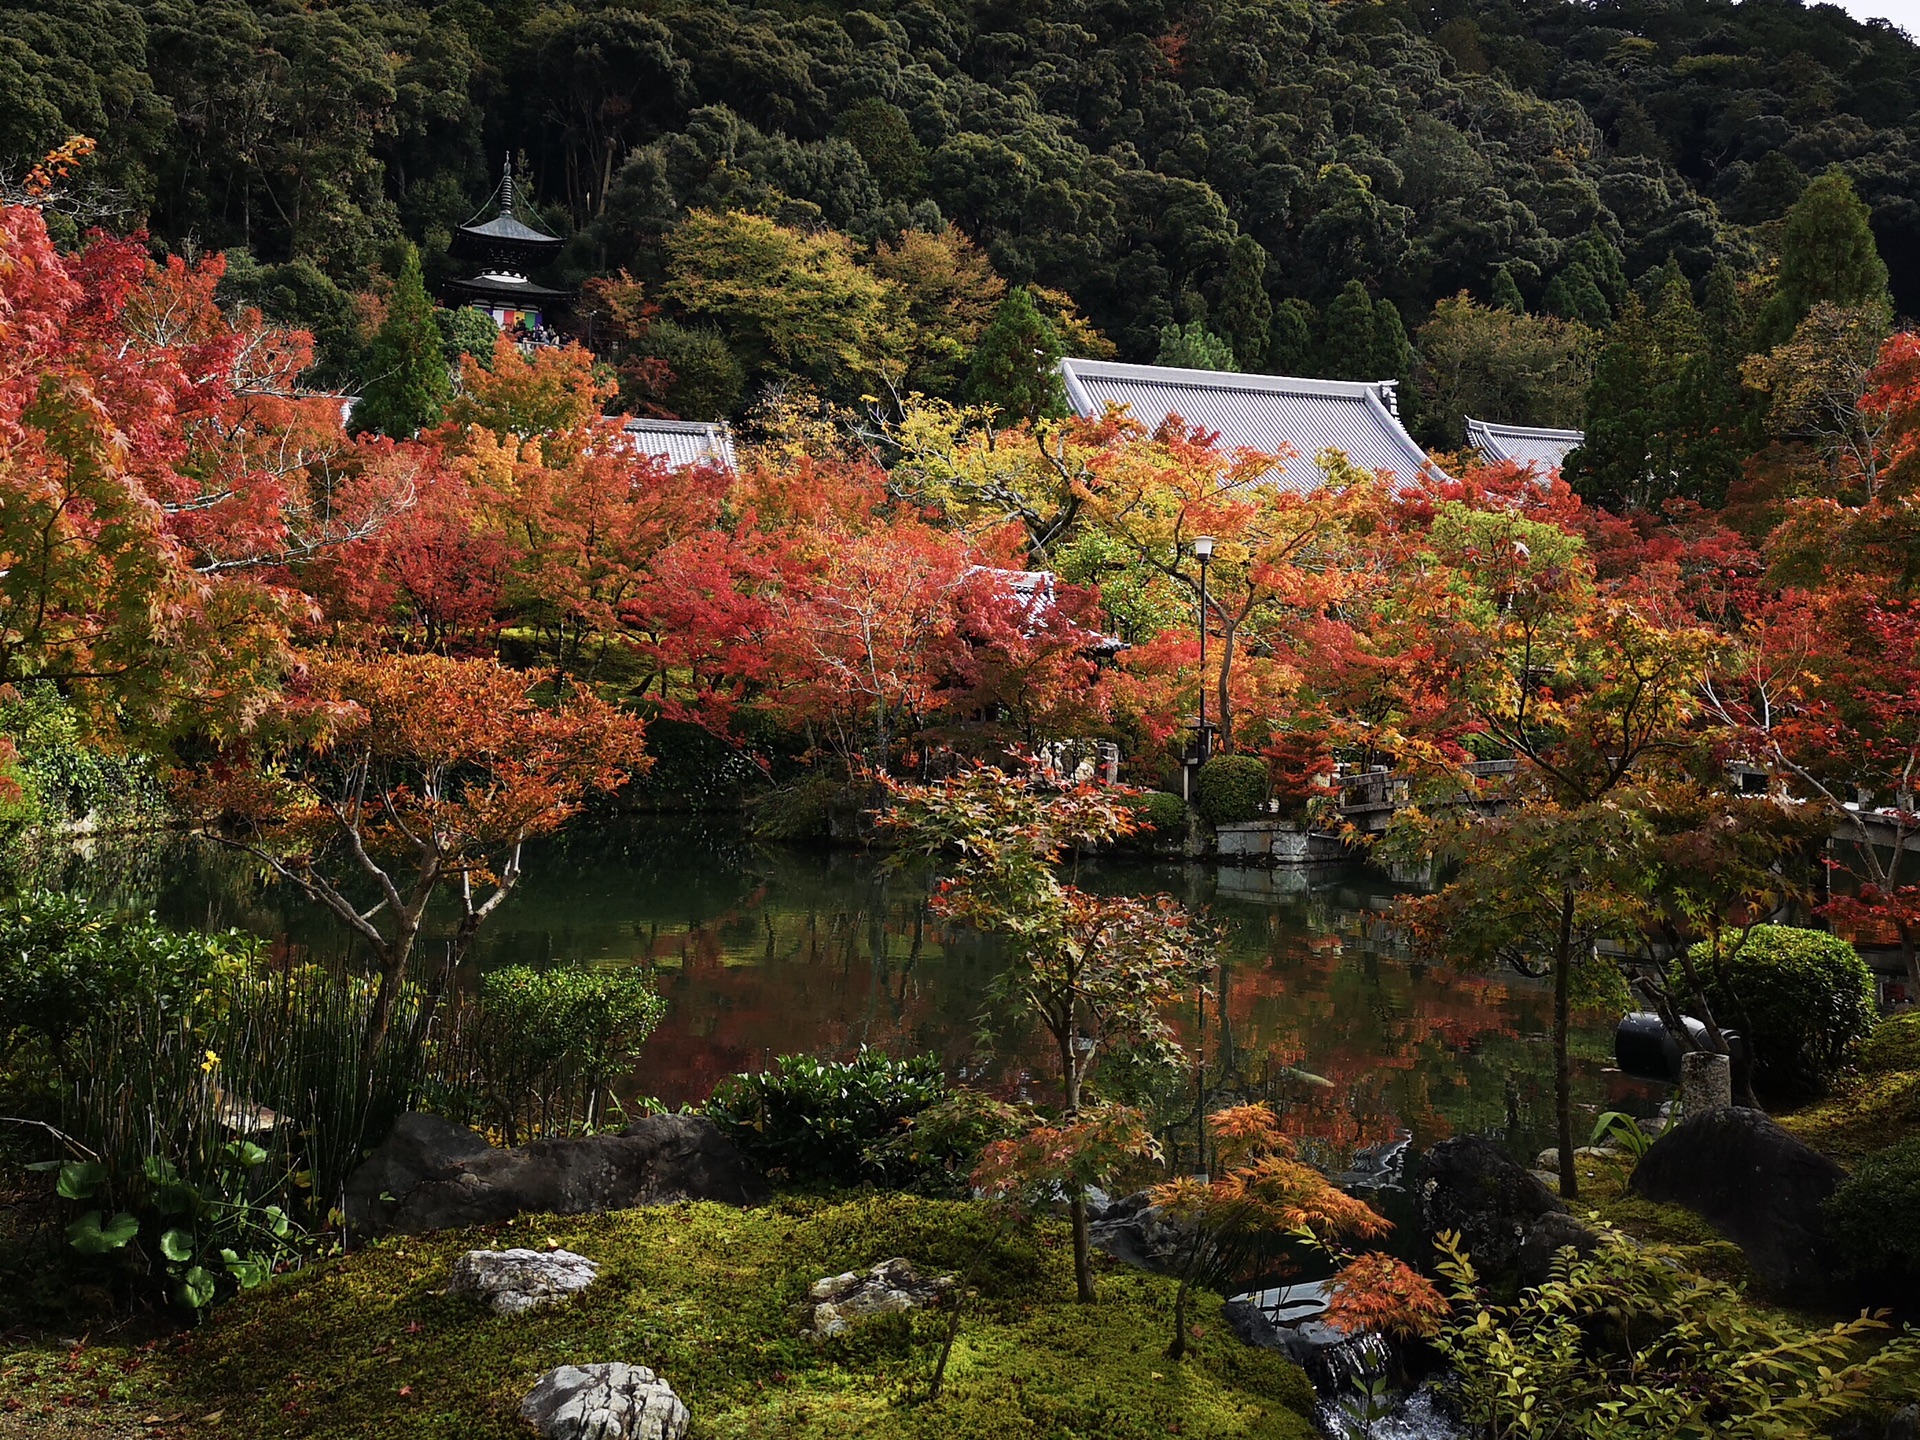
{"x": 1875, "y": 1107}
{"x": 371, "y": 1346}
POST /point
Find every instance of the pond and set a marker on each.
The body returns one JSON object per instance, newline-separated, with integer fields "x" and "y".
{"x": 768, "y": 950}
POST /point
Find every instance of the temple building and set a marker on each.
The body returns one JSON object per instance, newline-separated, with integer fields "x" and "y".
{"x": 1545, "y": 450}
{"x": 1273, "y": 414}
{"x": 506, "y": 251}
{"x": 681, "y": 442}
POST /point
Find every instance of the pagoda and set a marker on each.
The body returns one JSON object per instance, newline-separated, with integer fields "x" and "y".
{"x": 506, "y": 249}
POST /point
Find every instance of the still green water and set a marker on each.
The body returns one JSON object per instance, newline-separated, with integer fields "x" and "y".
{"x": 768, "y": 950}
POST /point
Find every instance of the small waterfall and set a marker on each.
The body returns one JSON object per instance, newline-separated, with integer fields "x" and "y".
{"x": 1362, "y": 1382}
{"x": 1353, "y": 1365}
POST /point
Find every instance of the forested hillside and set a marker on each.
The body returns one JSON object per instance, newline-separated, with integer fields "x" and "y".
{"x": 1231, "y": 167}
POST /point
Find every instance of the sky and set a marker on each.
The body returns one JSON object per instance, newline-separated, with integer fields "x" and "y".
{"x": 1904, "y": 13}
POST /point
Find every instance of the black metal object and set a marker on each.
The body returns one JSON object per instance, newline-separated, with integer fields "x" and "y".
{"x": 1644, "y": 1049}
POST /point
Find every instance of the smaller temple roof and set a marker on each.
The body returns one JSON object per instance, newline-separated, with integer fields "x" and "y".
{"x": 682, "y": 442}
{"x": 1267, "y": 413}
{"x": 498, "y": 288}
{"x": 1522, "y": 444}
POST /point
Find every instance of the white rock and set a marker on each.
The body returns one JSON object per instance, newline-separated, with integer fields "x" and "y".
{"x": 514, "y": 1281}
{"x": 889, "y": 1287}
{"x": 612, "y": 1401}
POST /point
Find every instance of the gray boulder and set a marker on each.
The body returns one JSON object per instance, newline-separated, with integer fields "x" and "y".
{"x": 605, "y": 1402}
{"x": 430, "y": 1175}
{"x": 1468, "y": 1184}
{"x": 511, "y": 1282}
{"x": 1755, "y": 1184}
{"x": 1546, "y": 1238}
{"x": 1139, "y": 1233}
{"x": 888, "y": 1288}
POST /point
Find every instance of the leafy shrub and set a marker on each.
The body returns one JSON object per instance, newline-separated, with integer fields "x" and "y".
{"x": 540, "y": 1050}
{"x": 1628, "y": 1341}
{"x": 63, "y": 776}
{"x": 693, "y": 768}
{"x": 1165, "y": 814}
{"x": 823, "y": 1121}
{"x": 1894, "y": 1045}
{"x": 1870, "y": 1218}
{"x": 935, "y": 1151}
{"x": 1231, "y": 787}
{"x": 1803, "y": 999}
{"x": 802, "y": 811}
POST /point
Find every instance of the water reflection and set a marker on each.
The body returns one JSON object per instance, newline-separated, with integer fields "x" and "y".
{"x": 767, "y": 950}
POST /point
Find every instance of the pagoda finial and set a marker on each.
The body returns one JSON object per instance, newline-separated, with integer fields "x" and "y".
{"x": 506, "y": 187}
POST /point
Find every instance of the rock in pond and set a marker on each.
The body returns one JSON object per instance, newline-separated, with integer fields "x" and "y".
{"x": 891, "y": 1286}
{"x": 511, "y": 1282}
{"x": 431, "y": 1174}
{"x": 612, "y": 1401}
{"x": 1469, "y": 1184}
{"x": 1139, "y": 1233}
{"x": 1755, "y": 1184}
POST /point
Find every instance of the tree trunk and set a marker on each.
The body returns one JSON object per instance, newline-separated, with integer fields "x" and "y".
{"x": 1178, "y": 1349}
{"x": 1562, "y": 1065}
{"x": 1077, "y": 1202}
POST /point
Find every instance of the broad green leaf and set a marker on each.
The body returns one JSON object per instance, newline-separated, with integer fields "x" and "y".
{"x": 196, "y": 1288}
{"x": 79, "y": 1179}
{"x": 90, "y": 1237}
{"x": 177, "y": 1244}
{"x": 159, "y": 1170}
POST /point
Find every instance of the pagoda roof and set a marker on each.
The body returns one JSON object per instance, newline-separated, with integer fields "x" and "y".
{"x": 505, "y": 235}
{"x": 1273, "y": 414}
{"x": 1522, "y": 444}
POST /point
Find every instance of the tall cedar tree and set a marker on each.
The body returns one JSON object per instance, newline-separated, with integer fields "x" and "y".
{"x": 1013, "y": 365}
{"x": 1826, "y": 253}
{"x": 408, "y": 386}
{"x": 1245, "y": 312}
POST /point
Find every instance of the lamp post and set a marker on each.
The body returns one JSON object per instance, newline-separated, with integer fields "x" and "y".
{"x": 1203, "y": 552}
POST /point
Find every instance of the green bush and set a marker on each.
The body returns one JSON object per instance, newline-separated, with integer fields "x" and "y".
{"x": 1162, "y": 816}
{"x": 825, "y": 1122}
{"x": 1893, "y": 1046}
{"x": 1870, "y": 1219}
{"x": 1231, "y": 787}
{"x": 935, "y": 1152}
{"x": 1629, "y": 1341}
{"x": 540, "y": 1050}
{"x": 1803, "y": 999}
{"x": 63, "y": 777}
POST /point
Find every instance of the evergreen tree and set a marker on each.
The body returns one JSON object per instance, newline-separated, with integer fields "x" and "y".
{"x": 1603, "y": 261}
{"x": 1666, "y": 416}
{"x": 1245, "y": 313}
{"x": 1014, "y": 365}
{"x": 1573, "y": 294}
{"x": 1724, "y": 311}
{"x": 1193, "y": 347}
{"x": 407, "y": 384}
{"x": 1290, "y": 339}
{"x": 1392, "y": 351}
{"x": 1505, "y": 294}
{"x": 1351, "y": 348}
{"x": 1826, "y": 253}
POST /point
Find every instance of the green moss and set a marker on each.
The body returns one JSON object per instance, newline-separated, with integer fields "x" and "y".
{"x": 1893, "y": 1045}
{"x": 1604, "y": 1193}
{"x": 712, "y": 1298}
{"x": 1867, "y": 1113}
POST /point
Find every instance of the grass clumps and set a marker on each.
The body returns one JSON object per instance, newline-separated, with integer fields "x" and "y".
{"x": 713, "y": 1298}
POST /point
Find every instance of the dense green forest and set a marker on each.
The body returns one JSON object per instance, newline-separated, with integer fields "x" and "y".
{"x": 1235, "y": 164}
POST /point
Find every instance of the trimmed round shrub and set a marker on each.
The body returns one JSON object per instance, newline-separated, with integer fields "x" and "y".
{"x": 1231, "y": 787}
{"x": 1803, "y": 999}
{"x": 1870, "y": 1217}
{"x": 1163, "y": 814}
{"x": 1894, "y": 1045}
